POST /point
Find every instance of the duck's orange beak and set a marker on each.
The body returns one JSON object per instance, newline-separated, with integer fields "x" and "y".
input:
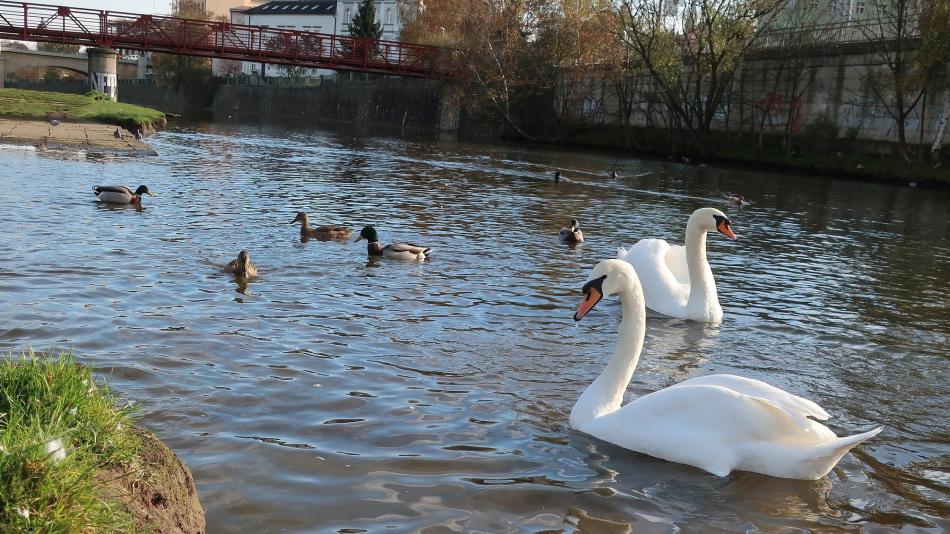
{"x": 591, "y": 298}
{"x": 726, "y": 230}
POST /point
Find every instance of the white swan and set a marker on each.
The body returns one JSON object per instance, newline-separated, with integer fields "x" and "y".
{"x": 717, "y": 423}
{"x": 677, "y": 280}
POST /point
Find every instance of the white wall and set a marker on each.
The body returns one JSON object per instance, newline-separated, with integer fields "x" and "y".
{"x": 307, "y": 23}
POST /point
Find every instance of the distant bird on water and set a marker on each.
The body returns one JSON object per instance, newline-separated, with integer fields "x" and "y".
{"x": 242, "y": 266}
{"x": 332, "y": 231}
{"x": 557, "y": 176}
{"x": 573, "y": 234}
{"x": 119, "y": 194}
{"x": 116, "y": 134}
{"x": 613, "y": 174}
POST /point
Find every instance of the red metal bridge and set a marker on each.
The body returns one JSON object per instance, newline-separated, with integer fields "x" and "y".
{"x": 89, "y": 27}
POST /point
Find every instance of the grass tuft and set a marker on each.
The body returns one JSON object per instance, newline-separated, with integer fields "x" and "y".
{"x": 92, "y": 106}
{"x": 50, "y": 405}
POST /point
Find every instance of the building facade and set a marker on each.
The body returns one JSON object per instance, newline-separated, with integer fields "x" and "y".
{"x": 320, "y": 16}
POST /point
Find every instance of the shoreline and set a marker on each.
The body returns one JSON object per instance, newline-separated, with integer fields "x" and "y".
{"x": 80, "y": 136}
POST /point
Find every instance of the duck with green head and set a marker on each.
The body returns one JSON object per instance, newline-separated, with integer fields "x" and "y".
{"x": 331, "y": 231}
{"x": 395, "y": 251}
{"x": 119, "y": 194}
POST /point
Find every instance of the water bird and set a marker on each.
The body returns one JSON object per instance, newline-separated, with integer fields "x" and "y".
{"x": 613, "y": 174}
{"x": 571, "y": 235}
{"x": 677, "y": 280}
{"x": 54, "y": 122}
{"x": 718, "y": 423}
{"x": 395, "y": 251}
{"x": 557, "y": 176}
{"x": 119, "y": 194}
{"x": 116, "y": 134}
{"x": 138, "y": 135}
{"x": 242, "y": 266}
{"x": 332, "y": 231}
{"x": 737, "y": 200}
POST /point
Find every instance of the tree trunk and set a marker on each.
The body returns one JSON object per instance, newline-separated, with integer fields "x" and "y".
{"x": 941, "y": 127}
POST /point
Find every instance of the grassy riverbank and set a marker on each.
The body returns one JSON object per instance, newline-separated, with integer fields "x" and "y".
{"x": 91, "y": 107}
{"x": 70, "y": 459}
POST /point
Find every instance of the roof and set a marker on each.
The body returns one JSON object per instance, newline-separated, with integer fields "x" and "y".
{"x": 298, "y": 7}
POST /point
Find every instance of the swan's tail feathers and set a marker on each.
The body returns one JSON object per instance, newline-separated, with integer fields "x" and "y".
{"x": 825, "y": 456}
{"x": 621, "y": 253}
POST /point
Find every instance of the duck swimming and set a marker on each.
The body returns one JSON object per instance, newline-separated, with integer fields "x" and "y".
{"x": 572, "y": 235}
{"x": 242, "y": 266}
{"x": 119, "y": 194}
{"x": 321, "y": 232}
{"x": 395, "y": 251}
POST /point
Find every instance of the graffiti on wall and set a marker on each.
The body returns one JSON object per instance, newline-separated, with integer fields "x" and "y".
{"x": 105, "y": 83}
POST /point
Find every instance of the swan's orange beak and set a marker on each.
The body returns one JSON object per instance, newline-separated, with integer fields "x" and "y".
{"x": 591, "y": 298}
{"x": 725, "y": 230}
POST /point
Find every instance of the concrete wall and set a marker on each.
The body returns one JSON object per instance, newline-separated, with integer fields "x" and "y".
{"x": 404, "y": 103}
{"x": 836, "y": 90}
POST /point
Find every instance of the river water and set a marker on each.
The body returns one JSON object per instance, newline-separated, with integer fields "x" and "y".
{"x": 339, "y": 394}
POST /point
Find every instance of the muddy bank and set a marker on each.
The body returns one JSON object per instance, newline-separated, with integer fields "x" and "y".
{"x": 156, "y": 489}
{"x": 73, "y": 136}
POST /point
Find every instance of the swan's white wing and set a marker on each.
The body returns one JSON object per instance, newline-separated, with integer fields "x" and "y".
{"x": 662, "y": 290}
{"x": 676, "y": 263}
{"x": 756, "y": 388}
{"x": 720, "y": 429}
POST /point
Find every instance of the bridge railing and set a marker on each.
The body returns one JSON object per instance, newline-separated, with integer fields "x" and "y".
{"x": 90, "y": 27}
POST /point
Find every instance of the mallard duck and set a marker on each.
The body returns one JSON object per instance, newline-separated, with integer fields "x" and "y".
{"x": 737, "y": 200}
{"x": 396, "y": 251}
{"x": 572, "y": 235}
{"x": 321, "y": 232}
{"x": 242, "y": 266}
{"x": 119, "y": 194}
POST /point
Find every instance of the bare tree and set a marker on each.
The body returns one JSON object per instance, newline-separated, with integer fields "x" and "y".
{"x": 897, "y": 86}
{"x": 693, "y": 50}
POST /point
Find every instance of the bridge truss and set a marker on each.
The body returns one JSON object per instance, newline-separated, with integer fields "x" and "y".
{"x": 89, "y": 27}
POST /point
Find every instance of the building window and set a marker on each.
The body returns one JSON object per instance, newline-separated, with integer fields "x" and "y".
{"x": 859, "y": 7}
{"x": 349, "y": 14}
{"x": 389, "y": 15}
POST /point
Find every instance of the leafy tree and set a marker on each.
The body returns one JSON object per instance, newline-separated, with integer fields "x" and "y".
{"x": 364, "y": 23}
{"x": 59, "y": 48}
{"x": 13, "y": 45}
{"x": 692, "y": 51}
{"x": 178, "y": 70}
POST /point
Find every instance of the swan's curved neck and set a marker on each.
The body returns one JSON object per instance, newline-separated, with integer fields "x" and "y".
{"x": 605, "y": 394}
{"x": 702, "y": 285}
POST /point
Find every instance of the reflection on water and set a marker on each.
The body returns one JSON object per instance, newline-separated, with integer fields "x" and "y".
{"x": 337, "y": 392}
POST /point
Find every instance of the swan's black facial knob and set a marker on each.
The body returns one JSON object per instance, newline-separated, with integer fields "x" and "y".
{"x": 593, "y": 292}
{"x": 724, "y": 227}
